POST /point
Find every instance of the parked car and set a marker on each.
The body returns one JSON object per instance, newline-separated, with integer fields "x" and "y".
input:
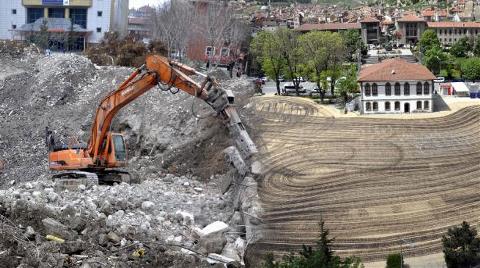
{"x": 439, "y": 79}
{"x": 290, "y": 89}
{"x": 264, "y": 79}
{"x": 281, "y": 78}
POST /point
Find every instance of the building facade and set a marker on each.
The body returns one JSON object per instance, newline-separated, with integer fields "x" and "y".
{"x": 449, "y": 32}
{"x": 396, "y": 86}
{"x": 370, "y": 30}
{"x": 410, "y": 29}
{"x": 95, "y": 16}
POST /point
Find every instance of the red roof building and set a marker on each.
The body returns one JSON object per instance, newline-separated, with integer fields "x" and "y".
{"x": 333, "y": 27}
{"x": 396, "y": 86}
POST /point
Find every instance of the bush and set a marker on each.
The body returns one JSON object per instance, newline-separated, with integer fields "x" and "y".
{"x": 461, "y": 246}
{"x": 394, "y": 261}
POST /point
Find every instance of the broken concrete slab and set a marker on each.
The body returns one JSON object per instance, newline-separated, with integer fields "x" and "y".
{"x": 54, "y": 227}
{"x": 233, "y": 156}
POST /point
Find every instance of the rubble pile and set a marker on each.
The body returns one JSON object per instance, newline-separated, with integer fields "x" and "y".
{"x": 173, "y": 132}
{"x": 191, "y": 209}
{"x": 115, "y": 222}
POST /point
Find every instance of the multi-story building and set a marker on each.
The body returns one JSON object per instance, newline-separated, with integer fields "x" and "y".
{"x": 95, "y": 17}
{"x": 396, "y": 86}
{"x": 449, "y": 32}
{"x": 410, "y": 28}
{"x": 370, "y": 30}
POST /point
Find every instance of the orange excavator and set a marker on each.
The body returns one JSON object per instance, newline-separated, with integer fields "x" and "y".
{"x": 106, "y": 150}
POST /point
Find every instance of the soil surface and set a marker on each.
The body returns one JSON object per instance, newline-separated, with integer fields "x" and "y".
{"x": 380, "y": 184}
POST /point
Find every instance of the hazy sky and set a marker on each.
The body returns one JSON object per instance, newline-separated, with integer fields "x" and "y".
{"x": 139, "y": 3}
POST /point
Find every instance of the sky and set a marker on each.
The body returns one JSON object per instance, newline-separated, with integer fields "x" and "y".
{"x": 139, "y": 3}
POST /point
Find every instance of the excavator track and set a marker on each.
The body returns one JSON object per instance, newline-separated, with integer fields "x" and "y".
{"x": 103, "y": 177}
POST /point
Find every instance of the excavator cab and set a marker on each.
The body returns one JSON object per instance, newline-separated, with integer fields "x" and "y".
{"x": 116, "y": 150}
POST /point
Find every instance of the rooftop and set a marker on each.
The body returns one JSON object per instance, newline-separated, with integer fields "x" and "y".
{"x": 369, "y": 20}
{"x": 410, "y": 18}
{"x": 328, "y": 26}
{"x": 454, "y": 24}
{"x": 395, "y": 69}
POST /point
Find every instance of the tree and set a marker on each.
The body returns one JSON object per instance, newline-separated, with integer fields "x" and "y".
{"x": 291, "y": 51}
{"x": 353, "y": 44}
{"x": 471, "y": 69}
{"x": 172, "y": 24}
{"x": 395, "y": 261}
{"x": 461, "y": 47}
{"x": 428, "y": 40}
{"x": 476, "y": 48}
{"x": 43, "y": 36}
{"x": 347, "y": 86}
{"x": 321, "y": 257}
{"x": 434, "y": 59}
{"x": 461, "y": 246}
{"x": 266, "y": 47}
{"x": 316, "y": 49}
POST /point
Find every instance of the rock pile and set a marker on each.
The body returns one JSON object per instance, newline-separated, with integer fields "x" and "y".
{"x": 179, "y": 213}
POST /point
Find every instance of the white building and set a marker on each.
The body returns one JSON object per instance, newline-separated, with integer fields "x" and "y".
{"x": 94, "y": 16}
{"x": 396, "y": 86}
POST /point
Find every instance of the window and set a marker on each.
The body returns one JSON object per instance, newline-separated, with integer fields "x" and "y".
{"x": 450, "y": 31}
{"x": 419, "y": 105}
{"x": 426, "y": 88}
{"x": 34, "y": 14}
{"x": 56, "y": 12}
{"x": 397, "y": 89}
{"x": 388, "y": 89}
{"x": 99, "y": 29}
{"x": 397, "y": 106}
{"x": 368, "y": 106}
{"x": 419, "y": 88}
{"x": 99, "y": 13}
{"x": 411, "y": 29}
{"x": 374, "y": 91}
{"x": 14, "y": 11}
{"x": 225, "y": 52}
{"x": 209, "y": 51}
{"x": 79, "y": 16}
{"x": 426, "y": 105}
{"x": 406, "y": 89}
{"x": 14, "y": 26}
{"x": 367, "y": 89}
{"x": 387, "y": 106}
{"x": 375, "y": 106}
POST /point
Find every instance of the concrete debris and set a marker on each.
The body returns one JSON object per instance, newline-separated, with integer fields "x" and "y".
{"x": 184, "y": 218}
{"x": 53, "y": 227}
{"x": 184, "y": 200}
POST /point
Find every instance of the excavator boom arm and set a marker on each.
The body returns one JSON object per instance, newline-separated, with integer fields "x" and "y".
{"x": 157, "y": 69}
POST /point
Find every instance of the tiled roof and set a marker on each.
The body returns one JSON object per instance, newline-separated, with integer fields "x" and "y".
{"x": 327, "y": 26}
{"x": 410, "y": 18}
{"x": 395, "y": 69}
{"x": 453, "y": 24}
{"x": 369, "y": 19}
{"x": 430, "y": 12}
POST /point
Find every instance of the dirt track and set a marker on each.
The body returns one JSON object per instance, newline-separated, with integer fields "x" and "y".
{"x": 379, "y": 184}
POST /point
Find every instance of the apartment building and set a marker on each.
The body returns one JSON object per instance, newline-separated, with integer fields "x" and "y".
{"x": 449, "y": 32}
{"x": 19, "y": 18}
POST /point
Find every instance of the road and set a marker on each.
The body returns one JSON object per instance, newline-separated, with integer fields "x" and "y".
{"x": 270, "y": 86}
{"x": 376, "y": 182}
